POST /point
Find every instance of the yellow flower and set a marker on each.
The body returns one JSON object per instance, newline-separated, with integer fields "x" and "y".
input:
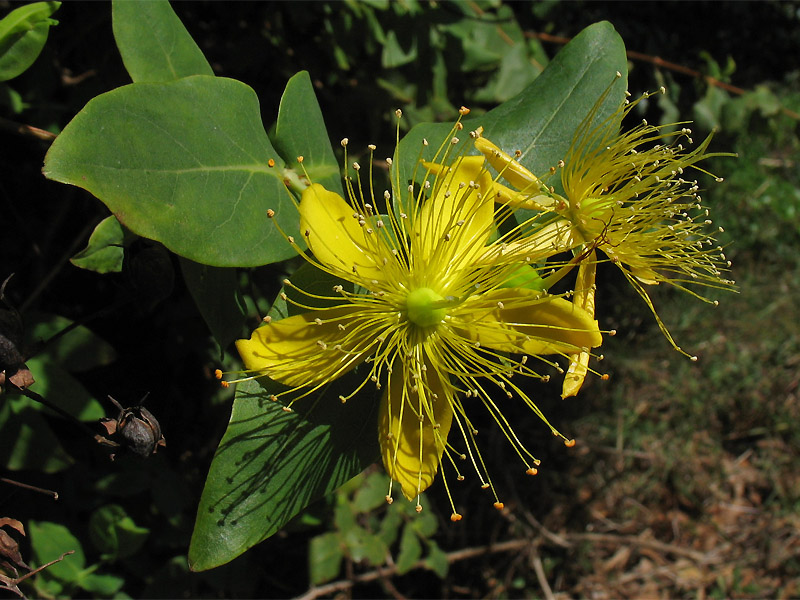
{"x": 429, "y": 317}
{"x": 625, "y": 193}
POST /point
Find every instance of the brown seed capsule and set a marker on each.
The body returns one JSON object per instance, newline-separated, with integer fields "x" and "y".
{"x": 136, "y": 429}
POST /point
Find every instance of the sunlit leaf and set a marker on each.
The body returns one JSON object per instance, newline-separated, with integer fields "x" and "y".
{"x": 185, "y": 163}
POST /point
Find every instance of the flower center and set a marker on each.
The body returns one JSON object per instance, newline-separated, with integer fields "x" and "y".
{"x": 425, "y": 307}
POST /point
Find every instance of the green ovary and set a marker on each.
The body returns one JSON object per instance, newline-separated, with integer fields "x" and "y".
{"x": 425, "y": 307}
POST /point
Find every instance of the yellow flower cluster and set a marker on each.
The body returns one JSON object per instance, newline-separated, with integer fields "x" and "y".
{"x": 449, "y": 309}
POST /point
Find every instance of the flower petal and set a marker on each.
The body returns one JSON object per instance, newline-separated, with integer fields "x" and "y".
{"x": 411, "y": 447}
{"x": 305, "y": 349}
{"x": 336, "y": 238}
{"x": 526, "y": 321}
{"x": 584, "y": 298}
{"x": 457, "y": 219}
{"x": 511, "y": 170}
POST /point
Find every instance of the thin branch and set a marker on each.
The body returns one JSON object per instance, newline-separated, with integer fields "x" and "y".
{"x": 665, "y": 64}
{"x": 608, "y": 538}
{"x": 33, "y": 488}
{"x": 80, "y": 424}
{"x": 542, "y": 578}
{"x": 37, "y": 569}
{"x": 338, "y": 586}
{"x": 26, "y": 130}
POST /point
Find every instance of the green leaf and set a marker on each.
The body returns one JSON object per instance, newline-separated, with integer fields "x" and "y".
{"x": 184, "y": 163}
{"x": 63, "y": 390}
{"x": 153, "y": 42}
{"x": 23, "y": 33}
{"x": 541, "y": 120}
{"x": 103, "y": 585}
{"x": 77, "y": 350}
{"x": 27, "y": 442}
{"x": 436, "y": 560}
{"x": 372, "y": 493}
{"x": 300, "y": 131}
{"x": 410, "y": 550}
{"x": 215, "y": 291}
{"x": 51, "y": 540}
{"x": 114, "y": 533}
{"x": 271, "y": 464}
{"x": 105, "y": 251}
{"x": 324, "y": 558}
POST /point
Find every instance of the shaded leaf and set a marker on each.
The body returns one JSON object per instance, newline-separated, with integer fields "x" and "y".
{"x": 23, "y": 33}
{"x": 410, "y": 550}
{"x": 193, "y": 172}
{"x": 114, "y": 533}
{"x": 105, "y": 251}
{"x": 271, "y": 464}
{"x": 215, "y": 291}
{"x": 27, "y": 442}
{"x": 324, "y": 558}
{"x": 51, "y": 540}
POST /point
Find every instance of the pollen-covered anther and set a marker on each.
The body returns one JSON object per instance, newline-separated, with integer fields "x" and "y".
{"x": 344, "y": 142}
{"x": 605, "y": 376}
{"x": 455, "y": 517}
{"x": 271, "y": 162}
{"x": 224, "y": 384}
{"x": 569, "y": 443}
{"x": 270, "y": 213}
{"x": 485, "y": 486}
{"x": 286, "y": 409}
{"x": 463, "y": 111}
{"x": 290, "y": 238}
{"x": 418, "y": 508}
{"x": 693, "y": 358}
{"x": 356, "y": 166}
{"x": 318, "y": 321}
{"x": 499, "y": 505}
{"x": 454, "y": 141}
{"x": 460, "y": 478}
{"x": 398, "y": 113}
{"x": 389, "y": 499}
{"x": 612, "y": 332}
{"x": 532, "y": 471}
{"x": 300, "y": 159}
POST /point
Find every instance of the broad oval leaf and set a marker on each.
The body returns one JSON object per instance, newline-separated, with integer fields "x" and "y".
{"x": 153, "y": 42}
{"x": 271, "y": 464}
{"x": 186, "y": 163}
{"x": 541, "y": 120}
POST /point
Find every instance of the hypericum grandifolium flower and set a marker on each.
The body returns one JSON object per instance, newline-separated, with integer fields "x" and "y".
{"x": 433, "y": 318}
{"x": 627, "y": 194}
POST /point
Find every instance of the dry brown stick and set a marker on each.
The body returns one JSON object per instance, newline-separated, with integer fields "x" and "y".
{"x": 338, "y": 586}
{"x": 538, "y": 568}
{"x": 33, "y": 488}
{"x": 26, "y": 130}
{"x": 37, "y": 569}
{"x": 609, "y": 538}
{"x": 666, "y": 64}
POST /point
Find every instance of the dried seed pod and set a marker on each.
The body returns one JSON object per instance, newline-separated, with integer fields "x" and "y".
{"x": 136, "y": 429}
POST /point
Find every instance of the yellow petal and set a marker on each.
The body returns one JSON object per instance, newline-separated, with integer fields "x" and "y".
{"x": 584, "y": 298}
{"x": 412, "y": 448}
{"x": 527, "y": 322}
{"x": 511, "y": 170}
{"x": 553, "y": 238}
{"x": 335, "y": 236}
{"x": 300, "y": 351}
{"x": 514, "y": 199}
{"x": 457, "y": 218}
